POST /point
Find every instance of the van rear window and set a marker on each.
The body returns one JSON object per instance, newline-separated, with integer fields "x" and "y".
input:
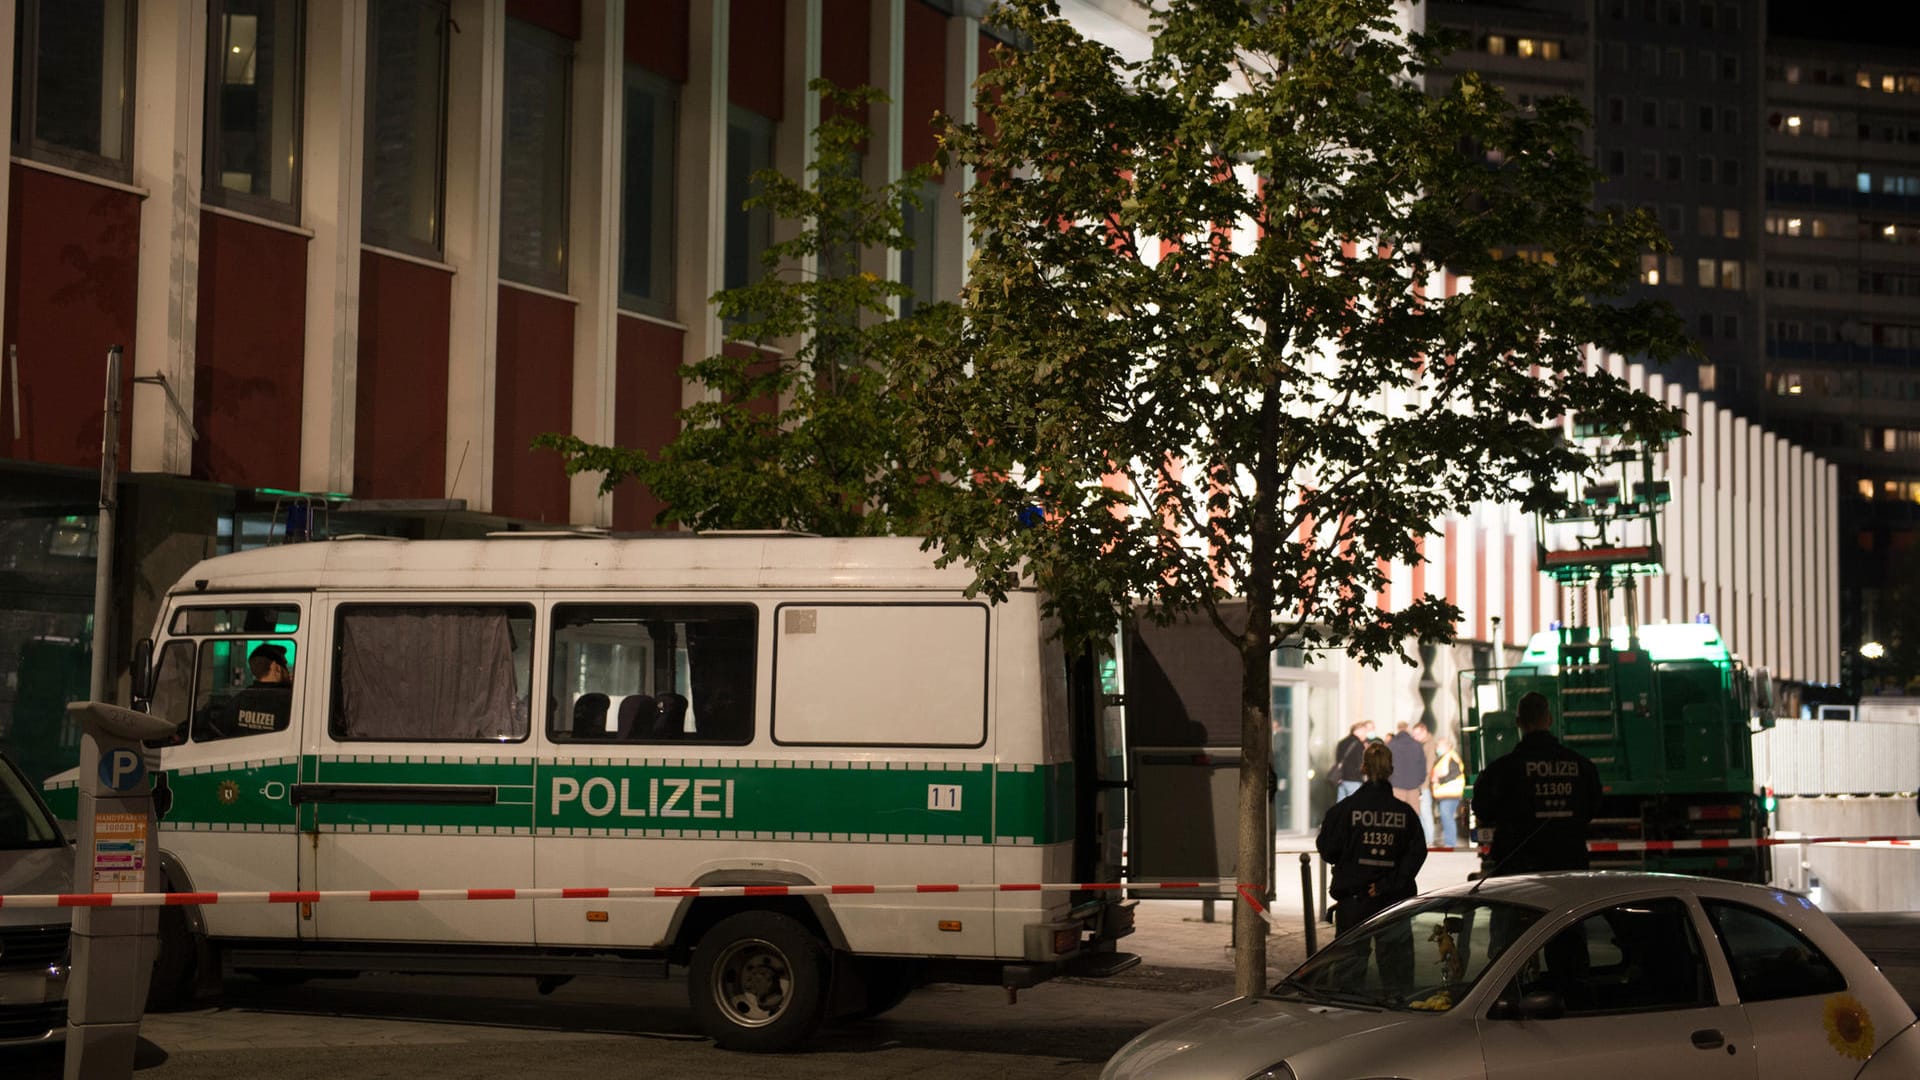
{"x": 432, "y": 673}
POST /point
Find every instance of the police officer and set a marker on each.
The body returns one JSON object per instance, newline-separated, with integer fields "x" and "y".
{"x": 1376, "y": 846}
{"x": 1373, "y": 841}
{"x": 1538, "y": 797}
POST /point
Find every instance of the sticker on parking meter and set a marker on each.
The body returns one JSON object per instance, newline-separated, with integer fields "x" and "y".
{"x": 122, "y": 769}
{"x": 119, "y": 853}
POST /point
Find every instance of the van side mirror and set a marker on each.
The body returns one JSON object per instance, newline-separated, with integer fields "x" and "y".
{"x": 142, "y": 674}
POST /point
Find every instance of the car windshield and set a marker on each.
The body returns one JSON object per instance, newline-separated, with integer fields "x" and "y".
{"x": 24, "y": 822}
{"x": 1423, "y": 955}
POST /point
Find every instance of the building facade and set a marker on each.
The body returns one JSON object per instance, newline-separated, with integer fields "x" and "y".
{"x": 367, "y": 250}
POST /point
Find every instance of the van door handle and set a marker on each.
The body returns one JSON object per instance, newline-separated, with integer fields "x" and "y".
{"x": 1708, "y": 1039}
{"x": 409, "y": 794}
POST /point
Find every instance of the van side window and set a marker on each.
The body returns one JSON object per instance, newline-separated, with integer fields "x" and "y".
{"x": 880, "y": 674}
{"x": 244, "y": 687}
{"x": 432, "y": 673}
{"x": 653, "y": 673}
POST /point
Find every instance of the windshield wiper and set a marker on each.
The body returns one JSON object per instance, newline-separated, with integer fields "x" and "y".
{"x": 1337, "y": 997}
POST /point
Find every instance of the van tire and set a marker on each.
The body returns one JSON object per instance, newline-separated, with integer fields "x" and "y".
{"x": 177, "y": 962}
{"x": 758, "y": 982}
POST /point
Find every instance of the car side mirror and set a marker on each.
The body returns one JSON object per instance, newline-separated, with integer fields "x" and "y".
{"x": 1538, "y": 1005}
{"x": 1542, "y": 1005}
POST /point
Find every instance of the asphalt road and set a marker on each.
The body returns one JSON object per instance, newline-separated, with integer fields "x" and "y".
{"x": 424, "y": 1028}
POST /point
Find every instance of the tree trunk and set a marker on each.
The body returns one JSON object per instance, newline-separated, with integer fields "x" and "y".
{"x": 1256, "y": 832}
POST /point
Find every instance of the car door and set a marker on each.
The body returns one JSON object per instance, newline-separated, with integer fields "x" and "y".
{"x": 1639, "y": 1000}
{"x": 1807, "y": 1026}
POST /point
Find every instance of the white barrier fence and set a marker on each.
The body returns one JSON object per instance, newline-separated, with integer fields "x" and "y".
{"x": 1838, "y": 757}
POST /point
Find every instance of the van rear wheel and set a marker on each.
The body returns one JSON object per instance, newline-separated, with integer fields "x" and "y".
{"x": 177, "y": 963}
{"x": 758, "y": 982}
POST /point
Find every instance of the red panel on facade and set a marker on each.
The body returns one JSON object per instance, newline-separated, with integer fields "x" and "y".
{"x": 250, "y": 353}
{"x": 756, "y": 56}
{"x": 560, "y": 16}
{"x": 845, "y": 42}
{"x": 646, "y": 400}
{"x": 73, "y": 249}
{"x": 400, "y": 405}
{"x": 925, "y": 92}
{"x": 657, "y": 37}
{"x": 533, "y": 395}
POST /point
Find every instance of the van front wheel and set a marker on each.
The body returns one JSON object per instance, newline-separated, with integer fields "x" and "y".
{"x": 758, "y": 982}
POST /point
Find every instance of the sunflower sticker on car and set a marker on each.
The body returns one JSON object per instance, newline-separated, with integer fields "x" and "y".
{"x": 1849, "y": 1026}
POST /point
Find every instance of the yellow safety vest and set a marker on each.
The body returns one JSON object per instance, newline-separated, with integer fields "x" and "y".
{"x": 1449, "y": 789}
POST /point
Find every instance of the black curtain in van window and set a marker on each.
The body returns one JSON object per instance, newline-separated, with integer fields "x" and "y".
{"x": 720, "y": 678}
{"x": 427, "y": 674}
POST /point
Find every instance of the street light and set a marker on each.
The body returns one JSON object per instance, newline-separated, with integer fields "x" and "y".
{"x": 1873, "y": 650}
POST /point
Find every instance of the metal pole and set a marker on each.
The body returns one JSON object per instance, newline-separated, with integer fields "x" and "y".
{"x": 1324, "y": 917}
{"x": 1306, "y": 897}
{"x": 103, "y": 531}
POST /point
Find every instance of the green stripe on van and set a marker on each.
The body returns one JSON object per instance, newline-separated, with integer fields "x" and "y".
{"x": 835, "y": 801}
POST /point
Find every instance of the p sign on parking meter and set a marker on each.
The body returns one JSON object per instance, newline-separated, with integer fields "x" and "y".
{"x": 113, "y": 948}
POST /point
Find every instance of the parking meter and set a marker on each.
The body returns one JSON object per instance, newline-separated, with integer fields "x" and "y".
{"x": 113, "y": 947}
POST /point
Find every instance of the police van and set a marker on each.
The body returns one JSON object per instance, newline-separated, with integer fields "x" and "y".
{"x": 542, "y": 711}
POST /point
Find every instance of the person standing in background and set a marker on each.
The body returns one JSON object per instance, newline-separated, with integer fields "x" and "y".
{"x": 1423, "y": 735}
{"x": 1409, "y": 778}
{"x": 1347, "y": 755}
{"x": 1449, "y": 779}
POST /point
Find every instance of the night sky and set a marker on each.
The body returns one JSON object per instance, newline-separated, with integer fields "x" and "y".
{"x": 1874, "y": 22}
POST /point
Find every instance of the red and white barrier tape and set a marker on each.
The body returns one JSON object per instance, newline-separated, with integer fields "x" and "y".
{"x": 629, "y": 892}
{"x": 1718, "y": 844}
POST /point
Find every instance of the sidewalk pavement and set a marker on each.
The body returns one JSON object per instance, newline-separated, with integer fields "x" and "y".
{"x": 1175, "y": 934}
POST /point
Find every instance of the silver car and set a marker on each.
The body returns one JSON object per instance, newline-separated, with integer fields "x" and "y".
{"x": 34, "y": 858}
{"x": 1573, "y": 976}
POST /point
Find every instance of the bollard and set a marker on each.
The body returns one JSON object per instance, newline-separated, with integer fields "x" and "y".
{"x": 1325, "y": 915}
{"x": 113, "y": 948}
{"x": 1306, "y": 899}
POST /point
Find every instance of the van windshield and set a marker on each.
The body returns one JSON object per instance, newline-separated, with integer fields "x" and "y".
{"x": 24, "y": 822}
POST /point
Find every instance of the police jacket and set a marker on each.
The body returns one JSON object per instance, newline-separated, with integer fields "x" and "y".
{"x": 1372, "y": 838}
{"x": 1538, "y": 798}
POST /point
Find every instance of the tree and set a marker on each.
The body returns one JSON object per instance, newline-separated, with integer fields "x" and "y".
{"x": 1200, "y": 336}
{"x": 807, "y": 440}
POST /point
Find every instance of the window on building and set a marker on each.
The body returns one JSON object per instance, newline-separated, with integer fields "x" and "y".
{"x": 1730, "y": 17}
{"x": 1673, "y": 218}
{"x": 1616, "y": 110}
{"x": 1675, "y": 268}
{"x": 1675, "y": 167}
{"x": 1730, "y": 327}
{"x": 1730, "y": 223}
{"x": 1730, "y": 171}
{"x": 749, "y": 230}
{"x": 1496, "y": 44}
{"x": 918, "y": 262}
{"x": 1650, "y": 59}
{"x": 1730, "y": 273}
{"x": 1676, "y": 114}
{"x": 1706, "y": 118}
{"x": 533, "y": 157}
{"x": 1705, "y": 217}
{"x": 1649, "y": 165}
{"x": 1704, "y": 272}
{"x": 254, "y": 64}
{"x": 1791, "y": 73}
{"x": 1729, "y": 67}
{"x": 1706, "y": 326}
{"x": 1676, "y": 13}
{"x": 72, "y": 84}
{"x": 1676, "y": 65}
{"x": 405, "y": 182}
{"x": 1649, "y": 114}
{"x": 1649, "y": 269}
{"x": 1617, "y": 55}
{"x": 1703, "y": 172}
{"x": 1550, "y": 49}
{"x": 1616, "y": 163}
{"x": 1730, "y": 121}
{"x": 646, "y": 193}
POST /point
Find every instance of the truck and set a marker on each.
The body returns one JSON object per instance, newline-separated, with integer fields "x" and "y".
{"x": 1666, "y": 711}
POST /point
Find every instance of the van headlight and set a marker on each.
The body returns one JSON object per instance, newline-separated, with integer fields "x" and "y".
{"x": 1274, "y": 1072}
